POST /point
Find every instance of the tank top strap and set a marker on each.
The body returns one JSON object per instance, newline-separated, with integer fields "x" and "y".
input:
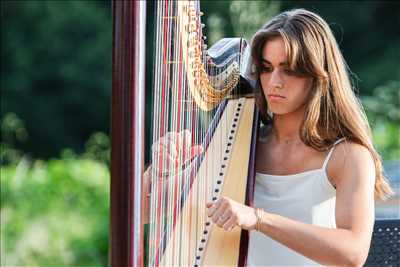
{"x": 330, "y": 152}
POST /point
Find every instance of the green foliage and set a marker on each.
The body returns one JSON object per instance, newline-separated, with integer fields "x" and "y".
{"x": 54, "y": 213}
{"x": 368, "y": 36}
{"x": 384, "y": 103}
{"x": 386, "y": 138}
{"x": 98, "y": 148}
{"x": 13, "y": 131}
{"x": 236, "y": 18}
{"x": 56, "y": 57}
{"x": 55, "y": 85}
{"x": 383, "y": 112}
{"x": 56, "y": 71}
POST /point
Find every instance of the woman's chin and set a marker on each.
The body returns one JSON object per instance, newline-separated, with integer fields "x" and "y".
{"x": 277, "y": 110}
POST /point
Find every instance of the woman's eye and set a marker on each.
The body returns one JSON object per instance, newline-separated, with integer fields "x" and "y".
{"x": 265, "y": 69}
{"x": 292, "y": 72}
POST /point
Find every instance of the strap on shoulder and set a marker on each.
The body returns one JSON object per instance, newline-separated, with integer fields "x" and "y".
{"x": 330, "y": 152}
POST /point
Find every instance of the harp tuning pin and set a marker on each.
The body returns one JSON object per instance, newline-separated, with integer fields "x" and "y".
{"x": 203, "y": 25}
{"x": 204, "y": 37}
{"x": 201, "y": 13}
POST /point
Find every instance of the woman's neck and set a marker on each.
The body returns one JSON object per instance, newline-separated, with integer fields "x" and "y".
{"x": 286, "y": 128}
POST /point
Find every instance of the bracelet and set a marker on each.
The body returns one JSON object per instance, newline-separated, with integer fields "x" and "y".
{"x": 259, "y": 215}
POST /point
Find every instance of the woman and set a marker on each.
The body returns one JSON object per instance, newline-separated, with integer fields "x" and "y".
{"x": 317, "y": 171}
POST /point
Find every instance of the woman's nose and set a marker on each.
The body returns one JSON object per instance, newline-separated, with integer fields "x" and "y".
{"x": 276, "y": 79}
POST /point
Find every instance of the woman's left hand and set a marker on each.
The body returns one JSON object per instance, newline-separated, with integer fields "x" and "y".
{"x": 227, "y": 213}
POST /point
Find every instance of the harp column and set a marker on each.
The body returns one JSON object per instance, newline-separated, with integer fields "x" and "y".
{"x": 127, "y": 133}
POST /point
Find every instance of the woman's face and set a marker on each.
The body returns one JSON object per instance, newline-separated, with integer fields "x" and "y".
{"x": 285, "y": 90}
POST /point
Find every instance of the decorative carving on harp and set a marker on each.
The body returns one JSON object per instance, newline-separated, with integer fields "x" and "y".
{"x": 200, "y": 97}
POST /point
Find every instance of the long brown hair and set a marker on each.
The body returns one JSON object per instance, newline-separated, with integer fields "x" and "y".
{"x": 333, "y": 110}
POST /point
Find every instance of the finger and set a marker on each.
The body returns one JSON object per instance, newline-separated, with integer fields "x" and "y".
{"x": 162, "y": 162}
{"x": 213, "y": 208}
{"x": 192, "y": 152}
{"x": 186, "y": 138}
{"x": 155, "y": 148}
{"x": 184, "y": 148}
{"x": 160, "y": 154}
{"x": 162, "y": 146}
{"x": 171, "y": 148}
{"x": 186, "y": 144}
{"x": 183, "y": 139}
{"x": 181, "y": 156}
{"x": 170, "y": 136}
{"x": 158, "y": 149}
{"x": 166, "y": 139}
{"x": 170, "y": 142}
{"x": 179, "y": 142}
{"x": 230, "y": 223}
{"x": 219, "y": 212}
{"x": 226, "y": 215}
{"x": 196, "y": 150}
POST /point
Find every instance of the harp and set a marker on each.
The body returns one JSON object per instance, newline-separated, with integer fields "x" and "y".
{"x": 194, "y": 88}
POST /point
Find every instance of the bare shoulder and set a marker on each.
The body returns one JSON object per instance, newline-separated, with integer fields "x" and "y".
{"x": 348, "y": 150}
{"x": 350, "y": 159}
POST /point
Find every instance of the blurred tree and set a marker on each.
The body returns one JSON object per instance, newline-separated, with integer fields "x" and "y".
{"x": 56, "y": 71}
{"x": 368, "y": 33}
{"x": 383, "y": 111}
{"x": 384, "y": 103}
{"x": 98, "y": 148}
{"x": 13, "y": 132}
{"x": 236, "y": 18}
{"x": 56, "y": 57}
{"x": 54, "y": 213}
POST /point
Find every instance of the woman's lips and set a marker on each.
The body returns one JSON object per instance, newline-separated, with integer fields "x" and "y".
{"x": 273, "y": 97}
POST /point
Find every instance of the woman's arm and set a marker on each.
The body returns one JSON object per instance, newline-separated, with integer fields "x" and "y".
{"x": 347, "y": 245}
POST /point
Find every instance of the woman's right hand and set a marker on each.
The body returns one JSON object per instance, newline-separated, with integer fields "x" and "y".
{"x": 172, "y": 152}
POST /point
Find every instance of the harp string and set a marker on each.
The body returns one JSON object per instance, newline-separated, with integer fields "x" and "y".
{"x": 158, "y": 127}
{"x": 156, "y": 107}
{"x": 175, "y": 110}
{"x": 176, "y": 92}
{"x": 170, "y": 194}
{"x": 171, "y": 88}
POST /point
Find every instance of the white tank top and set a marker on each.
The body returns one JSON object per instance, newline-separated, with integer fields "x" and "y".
{"x": 307, "y": 197}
